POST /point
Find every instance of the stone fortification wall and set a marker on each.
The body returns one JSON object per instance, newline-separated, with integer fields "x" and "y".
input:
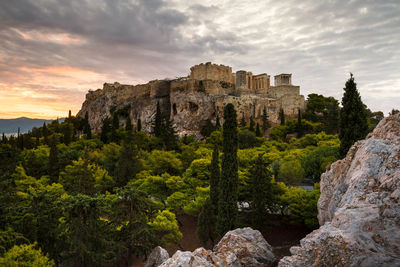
{"x": 211, "y": 71}
{"x": 191, "y": 101}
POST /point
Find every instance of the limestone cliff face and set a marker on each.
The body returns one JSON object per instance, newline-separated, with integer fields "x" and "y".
{"x": 359, "y": 207}
{"x": 188, "y": 102}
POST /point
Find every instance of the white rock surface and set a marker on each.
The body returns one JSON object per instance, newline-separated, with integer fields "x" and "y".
{"x": 157, "y": 256}
{"x": 359, "y": 207}
{"x": 240, "y": 247}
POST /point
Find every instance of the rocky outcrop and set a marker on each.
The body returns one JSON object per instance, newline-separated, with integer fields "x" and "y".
{"x": 240, "y": 247}
{"x": 157, "y": 256}
{"x": 359, "y": 207}
{"x": 189, "y": 101}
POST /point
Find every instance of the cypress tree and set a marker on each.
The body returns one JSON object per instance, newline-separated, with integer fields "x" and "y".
{"x": 228, "y": 185}
{"x": 69, "y": 114}
{"x": 115, "y": 127}
{"x": 261, "y": 190}
{"x": 217, "y": 122}
{"x": 86, "y": 129}
{"x": 299, "y": 125}
{"x": 252, "y": 124}
{"x": 128, "y": 125}
{"x": 45, "y": 132}
{"x": 139, "y": 125}
{"x": 258, "y": 131}
{"x": 4, "y": 139}
{"x": 265, "y": 122}
{"x": 353, "y": 119}
{"x": 243, "y": 121}
{"x": 206, "y": 223}
{"x": 215, "y": 175}
{"x": 158, "y": 121}
{"x": 282, "y": 116}
{"x": 54, "y": 166}
{"x": 105, "y": 129}
{"x": 168, "y": 135}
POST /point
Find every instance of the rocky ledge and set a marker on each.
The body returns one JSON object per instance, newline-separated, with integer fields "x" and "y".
{"x": 359, "y": 207}
{"x": 240, "y": 247}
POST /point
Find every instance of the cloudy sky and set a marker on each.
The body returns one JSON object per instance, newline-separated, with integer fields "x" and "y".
{"x": 52, "y": 52}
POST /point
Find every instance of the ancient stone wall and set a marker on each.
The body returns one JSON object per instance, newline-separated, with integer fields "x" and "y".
{"x": 211, "y": 71}
{"x": 283, "y": 79}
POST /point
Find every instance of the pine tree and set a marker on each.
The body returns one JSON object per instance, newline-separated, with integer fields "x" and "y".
{"x": 168, "y": 135}
{"x": 215, "y": 175}
{"x": 252, "y": 124}
{"x": 265, "y": 122}
{"x": 54, "y": 166}
{"x": 4, "y": 139}
{"x": 158, "y": 121}
{"x": 243, "y": 121}
{"x": 258, "y": 131}
{"x": 299, "y": 125}
{"x": 69, "y": 114}
{"x": 353, "y": 119}
{"x": 227, "y": 200}
{"x": 139, "y": 125}
{"x": 261, "y": 190}
{"x": 282, "y": 116}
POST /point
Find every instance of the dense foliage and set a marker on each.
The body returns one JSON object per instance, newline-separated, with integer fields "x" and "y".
{"x": 76, "y": 198}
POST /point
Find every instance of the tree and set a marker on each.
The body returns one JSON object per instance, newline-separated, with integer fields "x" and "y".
{"x": 265, "y": 122}
{"x": 353, "y": 121}
{"x": 299, "y": 126}
{"x": 291, "y": 173}
{"x": 128, "y": 164}
{"x": 166, "y": 225}
{"x": 115, "y": 127}
{"x": 282, "y": 116}
{"x": 258, "y": 131}
{"x": 139, "y": 125}
{"x": 54, "y": 166}
{"x": 105, "y": 130}
{"x": 157, "y": 122}
{"x": 79, "y": 177}
{"x": 217, "y": 122}
{"x": 169, "y": 136}
{"x": 261, "y": 190}
{"x": 227, "y": 200}
{"x": 243, "y": 121}
{"x": 128, "y": 125}
{"x": 26, "y": 256}
{"x": 86, "y": 127}
{"x": 215, "y": 175}
{"x": 252, "y": 124}
{"x": 206, "y": 223}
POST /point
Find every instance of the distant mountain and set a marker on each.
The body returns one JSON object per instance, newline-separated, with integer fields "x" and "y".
{"x": 25, "y": 124}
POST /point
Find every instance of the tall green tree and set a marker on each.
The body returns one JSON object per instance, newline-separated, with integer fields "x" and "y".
{"x": 227, "y": 201}
{"x": 252, "y": 124}
{"x": 265, "y": 122}
{"x": 105, "y": 131}
{"x": 215, "y": 175}
{"x": 261, "y": 190}
{"x": 86, "y": 126}
{"x": 54, "y": 166}
{"x": 258, "y": 131}
{"x": 217, "y": 122}
{"x": 243, "y": 121}
{"x": 128, "y": 125}
{"x": 139, "y": 125}
{"x": 353, "y": 120}
{"x": 282, "y": 116}
{"x": 206, "y": 223}
{"x": 158, "y": 122}
{"x": 299, "y": 126}
{"x": 115, "y": 127}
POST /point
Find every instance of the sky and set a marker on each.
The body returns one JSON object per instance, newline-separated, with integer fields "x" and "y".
{"x": 53, "y": 51}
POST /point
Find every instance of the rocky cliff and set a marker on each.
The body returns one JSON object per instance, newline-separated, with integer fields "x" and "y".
{"x": 359, "y": 207}
{"x": 188, "y": 102}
